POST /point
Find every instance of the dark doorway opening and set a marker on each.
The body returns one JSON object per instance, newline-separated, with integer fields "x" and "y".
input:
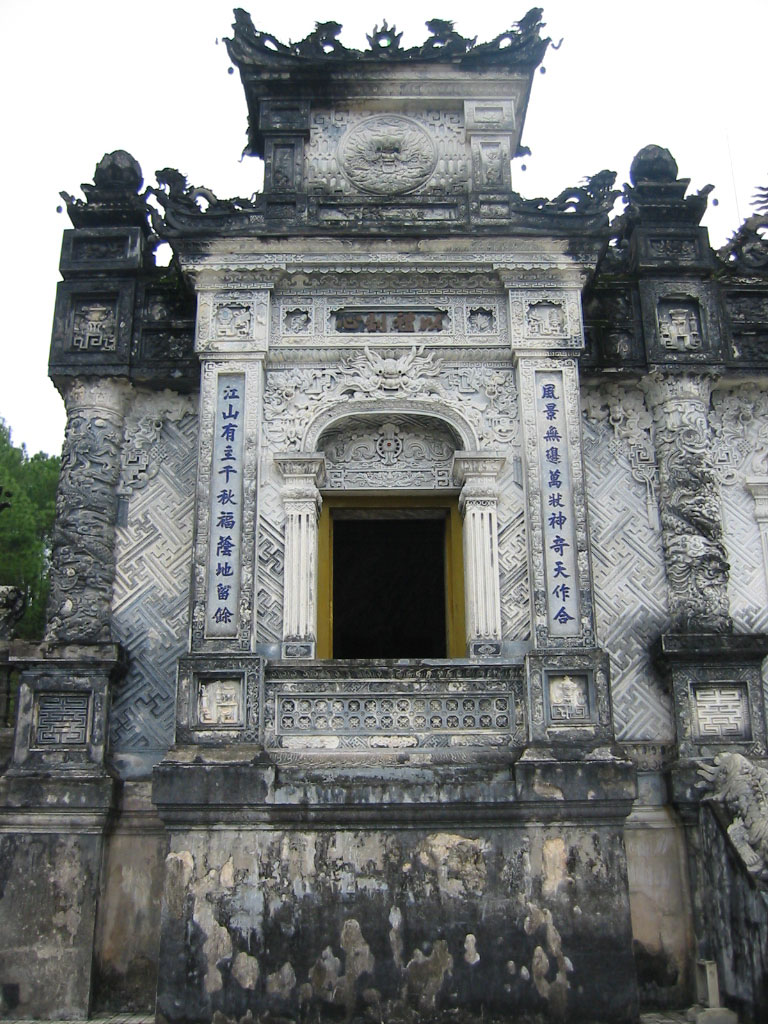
{"x": 389, "y": 588}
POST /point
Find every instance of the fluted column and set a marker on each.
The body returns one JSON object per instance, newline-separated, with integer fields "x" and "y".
{"x": 758, "y": 487}
{"x": 302, "y": 503}
{"x": 83, "y": 555}
{"x": 478, "y": 501}
{"x": 689, "y": 496}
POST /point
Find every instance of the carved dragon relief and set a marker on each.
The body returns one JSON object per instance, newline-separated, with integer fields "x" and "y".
{"x": 741, "y": 787}
{"x": 480, "y": 402}
{"x": 691, "y": 520}
{"x": 83, "y": 569}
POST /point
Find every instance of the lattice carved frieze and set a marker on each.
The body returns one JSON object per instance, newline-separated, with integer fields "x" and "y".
{"x": 474, "y": 266}
{"x": 442, "y": 319}
{"x": 150, "y": 604}
{"x": 444, "y": 710}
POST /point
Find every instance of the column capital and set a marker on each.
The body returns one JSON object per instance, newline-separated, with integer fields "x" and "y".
{"x": 105, "y": 396}
{"x": 302, "y": 477}
{"x": 662, "y": 386}
{"x": 758, "y": 488}
{"x": 473, "y": 465}
{"x": 299, "y": 466}
{"x": 476, "y": 473}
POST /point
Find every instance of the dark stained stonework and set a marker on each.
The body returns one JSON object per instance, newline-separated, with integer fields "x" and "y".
{"x": 449, "y": 912}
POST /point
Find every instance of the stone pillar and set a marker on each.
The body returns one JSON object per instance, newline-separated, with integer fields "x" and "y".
{"x": 83, "y": 558}
{"x": 232, "y": 340}
{"x": 692, "y": 530}
{"x": 302, "y": 502}
{"x": 477, "y": 473}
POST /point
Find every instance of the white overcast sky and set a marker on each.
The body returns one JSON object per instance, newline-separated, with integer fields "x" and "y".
{"x": 83, "y": 77}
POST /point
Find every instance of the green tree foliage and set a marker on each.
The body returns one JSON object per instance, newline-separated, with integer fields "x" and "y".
{"x": 28, "y": 492}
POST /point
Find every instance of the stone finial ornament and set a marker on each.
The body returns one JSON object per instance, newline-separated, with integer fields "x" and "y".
{"x": 118, "y": 170}
{"x": 657, "y": 195}
{"x": 114, "y": 197}
{"x": 653, "y": 163}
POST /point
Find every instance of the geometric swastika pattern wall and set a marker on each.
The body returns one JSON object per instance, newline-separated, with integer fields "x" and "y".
{"x": 630, "y": 588}
{"x": 746, "y": 582}
{"x": 150, "y": 604}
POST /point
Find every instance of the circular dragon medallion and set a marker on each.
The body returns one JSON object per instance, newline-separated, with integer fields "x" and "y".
{"x": 387, "y": 155}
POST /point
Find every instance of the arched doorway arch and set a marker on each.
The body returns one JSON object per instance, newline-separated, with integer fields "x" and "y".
{"x": 408, "y": 461}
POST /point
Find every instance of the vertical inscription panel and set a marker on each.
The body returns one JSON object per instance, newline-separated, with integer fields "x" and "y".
{"x": 225, "y": 551}
{"x": 557, "y": 515}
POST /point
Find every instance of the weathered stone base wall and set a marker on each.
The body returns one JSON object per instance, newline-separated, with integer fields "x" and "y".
{"x": 47, "y": 914}
{"x": 50, "y": 864}
{"x": 735, "y": 918}
{"x": 128, "y": 923}
{"x": 367, "y": 898}
{"x": 662, "y": 925}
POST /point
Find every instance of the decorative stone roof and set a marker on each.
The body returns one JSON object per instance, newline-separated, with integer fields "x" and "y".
{"x": 520, "y": 47}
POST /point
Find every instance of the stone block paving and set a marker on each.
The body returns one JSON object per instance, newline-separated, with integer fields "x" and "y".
{"x": 113, "y": 1018}
{"x": 149, "y": 1018}
{"x": 668, "y": 1017}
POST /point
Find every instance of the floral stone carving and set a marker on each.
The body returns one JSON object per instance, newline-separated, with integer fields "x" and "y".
{"x": 400, "y": 451}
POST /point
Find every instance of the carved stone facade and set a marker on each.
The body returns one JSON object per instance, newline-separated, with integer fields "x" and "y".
{"x": 388, "y": 398}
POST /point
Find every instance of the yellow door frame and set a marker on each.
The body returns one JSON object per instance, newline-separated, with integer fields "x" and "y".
{"x": 454, "y": 561}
